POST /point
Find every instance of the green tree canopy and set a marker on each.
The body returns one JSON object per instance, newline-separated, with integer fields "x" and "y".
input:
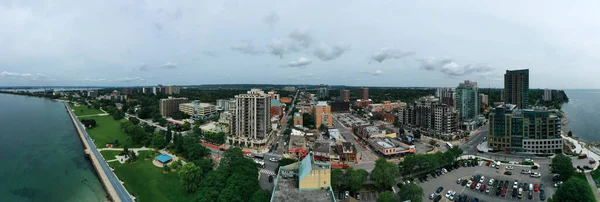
{"x": 412, "y": 192}
{"x": 563, "y": 166}
{"x": 190, "y": 177}
{"x": 354, "y": 179}
{"x": 261, "y": 196}
{"x": 386, "y": 196}
{"x": 336, "y": 177}
{"x": 574, "y": 189}
{"x": 384, "y": 174}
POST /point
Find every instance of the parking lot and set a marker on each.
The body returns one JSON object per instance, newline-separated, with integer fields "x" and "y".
{"x": 448, "y": 182}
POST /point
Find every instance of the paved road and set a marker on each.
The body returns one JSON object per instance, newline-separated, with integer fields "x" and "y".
{"x": 114, "y": 181}
{"x": 282, "y": 139}
{"x": 590, "y": 180}
{"x": 147, "y": 122}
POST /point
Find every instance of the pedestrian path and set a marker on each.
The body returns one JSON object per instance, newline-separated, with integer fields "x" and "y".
{"x": 592, "y": 185}
{"x": 267, "y": 172}
{"x": 92, "y": 115}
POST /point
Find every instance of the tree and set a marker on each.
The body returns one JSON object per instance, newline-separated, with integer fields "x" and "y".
{"x": 158, "y": 140}
{"x": 168, "y": 136}
{"x": 261, "y": 196}
{"x": 132, "y": 156}
{"x": 166, "y": 168}
{"x": 190, "y": 177}
{"x": 134, "y": 120}
{"x": 286, "y": 161}
{"x": 186, "y": 126}
{"x": 336, "y": 177}
{"x": 206, "y": 164}
{"x": 384, "y": 174}
{"x": 354, "y": 179}
{"x": 211, "y": 187}
{"x": 563, "y": 166}
{"x": 570, "y": 134}
{"x": 573, "y": 189}
{"x": 125, "y": 150}
{"x": 386, "y": 196}
{"x": 162, "y": 122}
{"x": 118, "y": 114}
{"x": 455, "y": 151}
{"x": 412, "y": 192}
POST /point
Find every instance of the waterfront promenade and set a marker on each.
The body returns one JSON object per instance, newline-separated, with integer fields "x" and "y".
{"x": 111, "y": 183}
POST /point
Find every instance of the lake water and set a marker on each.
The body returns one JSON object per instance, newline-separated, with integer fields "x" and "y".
{"x": 41, "y": 155}
{"x": 583, "y": 111}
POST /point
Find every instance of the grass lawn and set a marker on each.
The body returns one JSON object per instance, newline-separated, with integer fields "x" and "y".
{"x": 108, "y": 130}
{"x": 596, "y": 175}
{"x": 110, "y": 155}
{"x": 148, "y": 182}
{"x": 83, "y": 110}
{"x": 582, "y": 177}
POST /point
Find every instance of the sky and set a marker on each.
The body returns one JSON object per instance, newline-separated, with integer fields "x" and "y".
{"x": 359, "y": 43}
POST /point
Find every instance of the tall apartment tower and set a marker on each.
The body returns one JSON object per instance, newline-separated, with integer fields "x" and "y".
{"x": 322, "y": 115}
{"x": 345, "y": 94}
{"x": 516, "y": 87}
{"x": 251, "y": 119}
{"x": 547, "y": 94}
{"x": 170, "y": 105}
{"x": 323, "y": 91}
{"x": 364, "y": 93}
{"x": 468, "y": 103}
{"x": 447, "y": 96}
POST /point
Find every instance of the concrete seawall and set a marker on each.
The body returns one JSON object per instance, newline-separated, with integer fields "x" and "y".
{"x": 102, "y": 175}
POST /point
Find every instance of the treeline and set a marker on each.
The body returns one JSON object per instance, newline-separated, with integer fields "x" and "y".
{"x": 212, "y": 137}
{"x": 424, "y": 163}
{"x": 378, "y": 94}
{"x": 88, "y": 123}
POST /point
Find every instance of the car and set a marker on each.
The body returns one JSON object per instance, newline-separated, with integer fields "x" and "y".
{"x": 592, "y": 161}
{"x": 474, "y": 185}
{"x": 459, "y": 181}
{"x": 421, "y": 179}
{"x": 542, "y": 195}
{"x": 536, "y": 175}
{"x": 476, "y": 200}
{"x": 482, "y": 179}
{"x": 509, "y": 167}
{"x": 506, "y": 183}
{"x": 433, "y": 175}
{"x": 525, "y": 187}
{"x": 482, "y": 189}
{"x": 270, "y": 178}
{"x": 487, "y": 190}
{"x": 437, "y": 198}
{"x": 525, "y": 171}
{"x": 503, "y": 193}
{"x": 469, "y": 183}
{"x": 347, "y": 194}
{"x": 358, "y": 196}
{"x": 557, "y": 184}
{"x": 508, "y": 173}
{"x": 444, "y": 171}
{"x": 516, "y": 184}
{"x": 273, "y": 159}
{"x": 587, "y": 167}
{"x": 520, "y": 195}
{"x": 514, "y": 193}
{"x": 534, "y": 167}
{"x": 495, "y": 183}
{"x": 439, "y": 189}
{"x": 530, "y": 194}
{"x": 478, "y": 186}
{"x": 452, "y": 196}
{"x": 488, "y": 163}
{"x": 464, "y": 183}
{"x": 536, "y": 187}
{"x": 491, "y": 182}
{"x": 448, "y": 193}
{"x": 541, "y": 187}
{"x": 432, "y": 196}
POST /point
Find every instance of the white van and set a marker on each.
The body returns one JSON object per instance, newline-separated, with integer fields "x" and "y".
{"x": 530, "y": 186}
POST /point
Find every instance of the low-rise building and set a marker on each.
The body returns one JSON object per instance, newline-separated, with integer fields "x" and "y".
{"x": 298, "y": 120}
{"x": 285, "y": 100}
{"x": 276, "y": 108}
{"x": 115, "y": 96}
{"x": 369, "y": 131}
{"x": 306, "y": 180}
{"x": 170, "y": 105}
{"x": 363, "y": 103}
{"x": 390, "y": 147}
{"x": 345, "y": 152}
{"x": 196, "y": 109}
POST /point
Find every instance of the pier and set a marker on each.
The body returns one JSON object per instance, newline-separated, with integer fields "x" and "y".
{"x": 115, "y": 190}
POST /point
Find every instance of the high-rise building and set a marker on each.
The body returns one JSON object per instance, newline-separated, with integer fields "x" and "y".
{"x": 484, "y": 99}
{"x": 345, "y": 95}
{"x": 127, "y": 91}
{"x": 172, "y": 90}
{"x": 273, "y": 95}
{"x": 322, "y": 115}
{"x": 170, "y": 105}
{"x": 364, "y": 93}
{"x": 535, "y": 131}
{"x": 145, "y": 90}
{"x": 427, "y": 113}
{"x": 468, "y": 104}
{"x": 196, "y": 109}
{"x": 447, "y": 96}
{"x": 547, "y": 94}
{"x": 225, "y": 104}
{"x": 251, "y": 119}
{"x": 516, "y": 87}
{"x": 323, "y": 91}
{"x": 92, "y": 93}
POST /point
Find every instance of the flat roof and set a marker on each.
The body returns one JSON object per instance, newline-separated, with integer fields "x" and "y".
{"x": 384, "y": 144}
{"x": 287, "y": 191}
{"x": 163, "y": 158}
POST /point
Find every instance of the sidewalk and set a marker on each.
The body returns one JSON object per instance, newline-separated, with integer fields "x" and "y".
{"x": 590, "y": 180}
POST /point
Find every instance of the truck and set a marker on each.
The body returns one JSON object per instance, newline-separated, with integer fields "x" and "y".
{"x": 582, "y": 156}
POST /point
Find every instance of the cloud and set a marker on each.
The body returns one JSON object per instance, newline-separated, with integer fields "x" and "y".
{"x": 29, "y": 76}
{"x": 387, "y": 53}
{"x": 92, "y": 80}
{"x": 271, "y": 19}
{"x": 295, "y": 42}
{"x": 247, "y": 48}
{"x": 329, "y": 52}
{"x": 142, "y": 67}
{"x": 210, "y": 53}
{"x": 169, "y": 65}
{"x": 301, "y": 62}
{"x": 130, "y": 79}
{"x": 376, "y": 73}
{"x": 450, "y": 68}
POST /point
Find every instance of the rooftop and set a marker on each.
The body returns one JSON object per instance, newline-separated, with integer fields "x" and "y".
{"x": 192, "y": 104}
{"x": 163, "y": 158}
{"x": 287, "y": 191}
{"x": 321, "y": 104}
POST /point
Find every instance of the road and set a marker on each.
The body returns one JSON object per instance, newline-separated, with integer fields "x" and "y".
{"x": 470, "y": 147}
{"x": 114, "y": 181}
{"x": 147, "y": 122}
{"x": 282, "y": 138}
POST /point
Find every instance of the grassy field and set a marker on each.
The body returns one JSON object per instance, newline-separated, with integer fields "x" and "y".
{"x": 110, "y": 155}
{"x": 596, "y": 175}
{"x": 108, "y": 130}
{"x": 82, "y": 110}
{"x": 582, "y": 177}
{"x": 148, "y": 182}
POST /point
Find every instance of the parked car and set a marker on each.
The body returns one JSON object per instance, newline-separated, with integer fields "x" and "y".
{"x": 587, "y": 167}
{"x": 530, "y": 194}
{"x": 508, "y": 173}
{"x": 459, "y": 181}
{"x": 469, "y": 183}
{"x": 525, "y": 171}
{"x": 437, "y": 198}
{"x": 482, "y": 179}
{"x": 482, "y": 189}
{"x": 448, "y": 193}
{"x": 439, "y": 189}
{"x": 516, "y": 184}
{"x": 473, "y": 185}
{"x": 592, "y": 161}
{"x": 536, "y": 175}
{"x": 488, "y": 163}
{"x": 557, "y": 184}
{"x": 542, "y": 195}
{"x": 491, "y": 182}
{"x": 509, "y": 167}
{"x": 432, "y": 196}
{"x": 536, "y": 187}
{"x": 464, "y": 183}
{"x": 541, "y": 187}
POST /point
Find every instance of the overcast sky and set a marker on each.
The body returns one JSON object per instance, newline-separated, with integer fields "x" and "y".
{"x": 373, "y": 43}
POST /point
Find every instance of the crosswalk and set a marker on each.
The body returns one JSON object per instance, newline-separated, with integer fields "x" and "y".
{"x": 266, "y": 172}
